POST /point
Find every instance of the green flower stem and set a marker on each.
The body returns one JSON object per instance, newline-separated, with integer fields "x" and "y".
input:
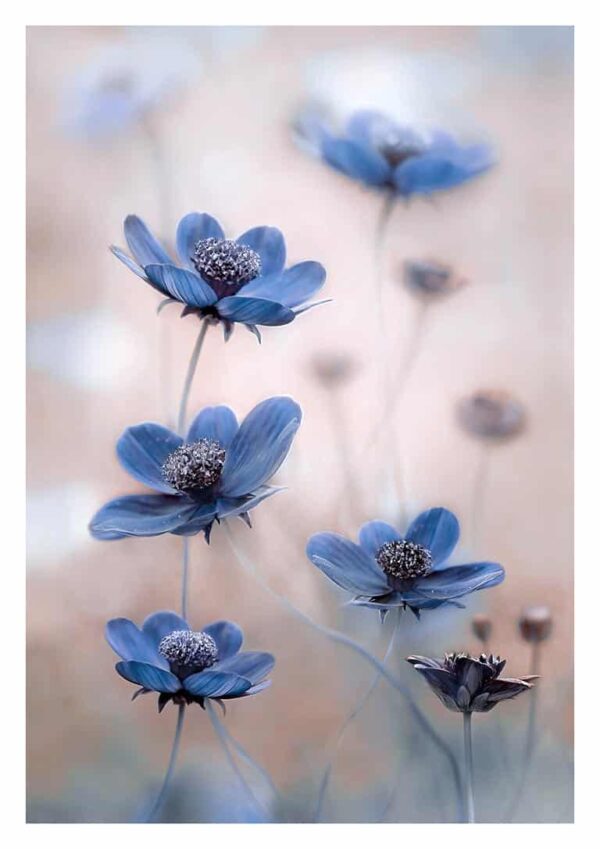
{"x": 170, "y": 769}
{"x": 342, "y": 639}
{"x": 468, "y": 783}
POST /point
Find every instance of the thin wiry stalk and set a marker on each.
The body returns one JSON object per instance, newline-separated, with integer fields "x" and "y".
{"x": 190, "y": 376}
{"x": 469, "y": 799}
{"x": 530, "y": 737}
{"x": 346, "y": 723}
{"x": 342, "y": 639}
{"x": 185, "y": 568}
{"x": 246, "y": 756}
{"x": 170, "y": 769}
{"x": 222, "y": 737}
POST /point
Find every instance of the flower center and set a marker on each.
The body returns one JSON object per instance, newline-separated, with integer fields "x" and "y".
{"x": 404, "y": 560}
{"x": 225, "y": 261}
{"x": 194, "y": 465}
{"x": 189, "y": 651}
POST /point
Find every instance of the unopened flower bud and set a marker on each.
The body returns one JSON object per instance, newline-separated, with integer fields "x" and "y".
{"x": 482, "y": 627}
{"x": 535, "y": 624}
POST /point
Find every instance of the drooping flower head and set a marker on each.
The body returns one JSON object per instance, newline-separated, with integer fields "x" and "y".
{"x": 430, "y": 279}
{"x": 224, "y": 280}
{"x": 380, "y": 153}
{"x": 183, "y": 666}
{"x": 387, "y": 569}
{"x": 220, "y": 470}
{"x": 465, "y": 684}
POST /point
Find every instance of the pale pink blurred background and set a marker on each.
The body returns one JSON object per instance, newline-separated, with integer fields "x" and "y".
{"x": 94, "y": 351}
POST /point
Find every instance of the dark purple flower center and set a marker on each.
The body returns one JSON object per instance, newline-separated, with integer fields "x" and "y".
{"x": 397, "y": 152}
{"x": 403, "y": 560}
{"x": 194, "y": 465}
{"x": 189, "y": 651}
{"x": 223, "y": 261}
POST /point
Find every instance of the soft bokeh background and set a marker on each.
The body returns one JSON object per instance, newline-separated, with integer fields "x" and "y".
{"x": 218, "y": 139}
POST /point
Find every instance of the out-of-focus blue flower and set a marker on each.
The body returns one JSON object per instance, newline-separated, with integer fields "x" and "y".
{"x": 388, "y": 570}
{"x": 223, "y": 280}
{"x": 123, "y": 82}
{"x": 219, "y": 471}
{"x": 165, "y": 656}
{"x": 383, "y": 154}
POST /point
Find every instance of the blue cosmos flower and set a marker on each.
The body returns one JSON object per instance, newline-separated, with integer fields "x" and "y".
{"x": 226, "y": 281}
{"x": 380, "y": 153}
{"x": 387, "y": 570}
{"x": 219, "y": 470}
{"x": 165, "y": 656}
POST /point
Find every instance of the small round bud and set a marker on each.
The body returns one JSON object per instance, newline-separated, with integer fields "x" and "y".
{"x": 535, "y": 624}
{"x": 194, "y": 465}
{"x": 404, "y": 560}
{"x": 430, "y": 278}
{"x": 491, "y": 414}
{"x": 333, "y": 368}
{"x": 482, "y": 626}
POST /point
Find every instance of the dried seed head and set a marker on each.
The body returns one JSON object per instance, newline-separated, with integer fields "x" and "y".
{"x": 404, "y": 560}
{"x": 491, "y": 414}
{"x": 189, "y": 651}
{"x": 195, "y": 465}
{"x": 535, "y": 624}
{"x": 225, "y": 261}
{"x": 482, "y": 627}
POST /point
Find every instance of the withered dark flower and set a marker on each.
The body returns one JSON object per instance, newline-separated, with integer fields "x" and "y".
{"x": 333, "y": 368}
{"x": 482, "y": 626}
{"x": 491, "y": 414}
{"x": 465, "y": 684}
{"x": 430, "y": 278}
{"x": 535, "y": 624}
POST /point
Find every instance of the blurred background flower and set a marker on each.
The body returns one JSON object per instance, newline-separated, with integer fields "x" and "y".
{"x": 93, "y": 360}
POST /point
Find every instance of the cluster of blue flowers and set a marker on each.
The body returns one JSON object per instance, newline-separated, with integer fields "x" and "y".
{"x": 220, "y": 469}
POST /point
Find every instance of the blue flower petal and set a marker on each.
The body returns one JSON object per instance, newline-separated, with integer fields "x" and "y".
{"x": 131, "y": 265}
{"x": 346, "y": 564}
{"x": 227, "y": 635}
{"x": 257, "y": 688}
{"x": 301, "y": 282}
{"x": 229, "y": 507}
{"x": 217, "y": 423}
{"x": 216, "y": 685}
{"x": 269, "y": 244}
{"x": 126, "y": 639}
{"x": 373, "y": 535}
{"x": 369, "y": 127}
{"x": 434, "y": 172}
{"x": 143, "y": 449}
{"x": 260, "y": 446}
{"x": 436, "y": 529}
{"x": 193, "y": 228}
{"x": 142, "y": 243}
{"x": 148, "y": 676}
{"x": 185, "y": 286}
{"x": 141, "y": 515}
{"x": 356, "y": 160}
{"x": 253, "y": 665}
{"x": 203, "y": 516}
{"x": 457, "y": 581}
{"x": 254, "y": 311}
{"x": 163, "y": 622}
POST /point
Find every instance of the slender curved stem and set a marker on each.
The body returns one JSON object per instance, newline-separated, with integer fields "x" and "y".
{"x": 185, "y": 577}
{"x": 350, "y": 717}
{"x": 530, "y": 737}
{"x": 469, "y": 800}
{"x": 246, "y": 756}
{"x": 190, "y": 376}
{"x": 223, "y": 738}
{"x": 342, "y": 639}
{"x": 170, "y": 769}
